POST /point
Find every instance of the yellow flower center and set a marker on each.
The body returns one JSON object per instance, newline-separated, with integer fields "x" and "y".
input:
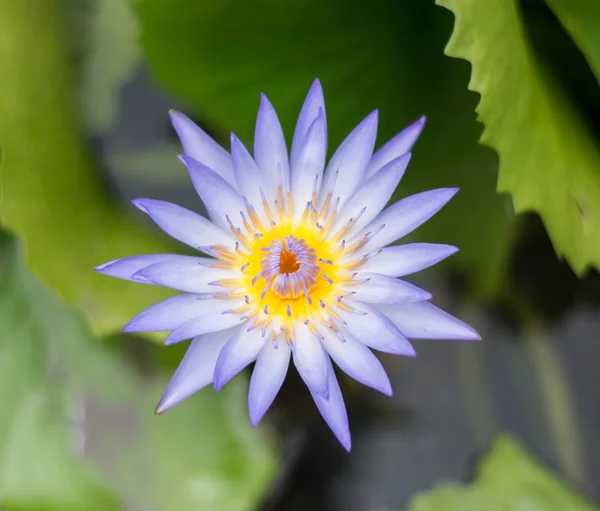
{"x": 290, "y": 270}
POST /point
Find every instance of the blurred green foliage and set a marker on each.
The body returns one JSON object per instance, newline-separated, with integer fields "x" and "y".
{"x": 51, "y": 195}
{"x": 110, "y": 42}
{"x": 507, "y": 479}
{"x": 54, "y": 376}
{"x": 549, "y": 155}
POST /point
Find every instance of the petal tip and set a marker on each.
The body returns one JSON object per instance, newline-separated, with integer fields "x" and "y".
{"x": 102, "y": 267}
{"x": 140, "y": 204}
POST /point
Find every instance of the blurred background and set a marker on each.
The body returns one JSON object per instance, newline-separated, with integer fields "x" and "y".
{"x": 510, "y": 423}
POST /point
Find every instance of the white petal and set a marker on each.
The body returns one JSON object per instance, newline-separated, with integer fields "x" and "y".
{"x": 423, "y": 320}
{"x": 333, "y": 409}
{"x": 195, "y": 370}
{"x": 310, "y": 110}
{"x": 218, "y": 317}
{"x": 404, "y": 216}
{"x": 397, "y": 146}
{"x": 184, "y": 225}
{"x": 356, "y": 360}
{"x": 201, "y": 147}
{"x": 267, "y": 378}
{"x": 406, "y": 259}
{"x": 171, "y": 313}
{"x": 310, "y": 359}
{"x": 189, "y": 275}
{"x": 375, "y": 288}
{"x": 241, "y": 349}
{"x": 308, "y": 167}
{"x": 247, "y": 175}
{"x": 127, "y": 267}
{"x": 374, "y": 329}
{"x": 270, "y": 151}
{"x": 219, "y": 197}
{"x": 373, "y": 195}
{"x": 350, "y": 160}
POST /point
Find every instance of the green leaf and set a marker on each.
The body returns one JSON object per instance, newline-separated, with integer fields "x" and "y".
{"x": 580, "y": 18}
{"x": 69, "y": 401}
{"x": 508, "y": 478}
{"x": 386, "y": 55}
{"x": 52, "y": 197}
{"x": 47, "y": 362}
{"x": 549, "y": 160}
{"x": 111, "y": 58}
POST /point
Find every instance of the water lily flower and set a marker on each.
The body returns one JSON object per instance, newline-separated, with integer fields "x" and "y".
{"x": 297, "y": 263}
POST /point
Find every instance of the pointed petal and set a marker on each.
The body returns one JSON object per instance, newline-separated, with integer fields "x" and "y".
{"x": 184, "y": 225}
{"x": 127, "y": 267}
{"x": 405, "y": 216}
{"x": 373, "y": 195}
{"x": 356, "y": 360}
{"x": 310, "y": 110}
{"x": 309, "y": 165}
{"x": 267, "y": 378}
{"x": 172, "y": 312}
{"x": 218, "y": 317}
{"x": 374, "y": 329}
{"x": 423, "y": 320}
{"x": 310, "y": 359}
{"x": 195, "y": 370}
{"x": 401, "y": 144}
{"x": 241, "y": 349}
{"x": 406, "y": 259}
{"x": 333, "y": 409}
{"x": 247, "y": 175}
{"x": 270, "y": 150}
{"x": 191, "y": 275}
{"x": 351, "y": 160}
{"x": 376, "y": 288}
{"x": 219, "y": 197}
{"x": 201, "y": 147}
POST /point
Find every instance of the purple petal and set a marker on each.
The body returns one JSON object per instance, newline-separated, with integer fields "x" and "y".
{"x": 219, "y": 197}
{"x": 184, "y": 225}
{"x": 374, "y": 329}
{"x": 373, "y": 195}
{"x": 405, "y": 216}
{"x": 195, "y": 370}
{"x": 270, "y": 150}
{"x": 397, "y": 146}
{"x": 201, "y": 147}
{"x": 210, "y": 320}
{"x": 333, "y": 409}
{"x": 247, "y": 175}
{"x": 267, "y": 378}
{"x": 170, "y": 313}
{"x": 310, "y": 110}
{"x": 127, "y": 267}
{"x": 189, "y": 275}
{"x": 309, "y": 165}
{"x": 375, "y": 288}
{"x": 350, "y": 160}
{"x": 406, "y": 259}
{"x": 241, "y": 349}
{"x": 356, "y": 360}
{"x": 423, "y": 320}
{"x": 310, "y": 359}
